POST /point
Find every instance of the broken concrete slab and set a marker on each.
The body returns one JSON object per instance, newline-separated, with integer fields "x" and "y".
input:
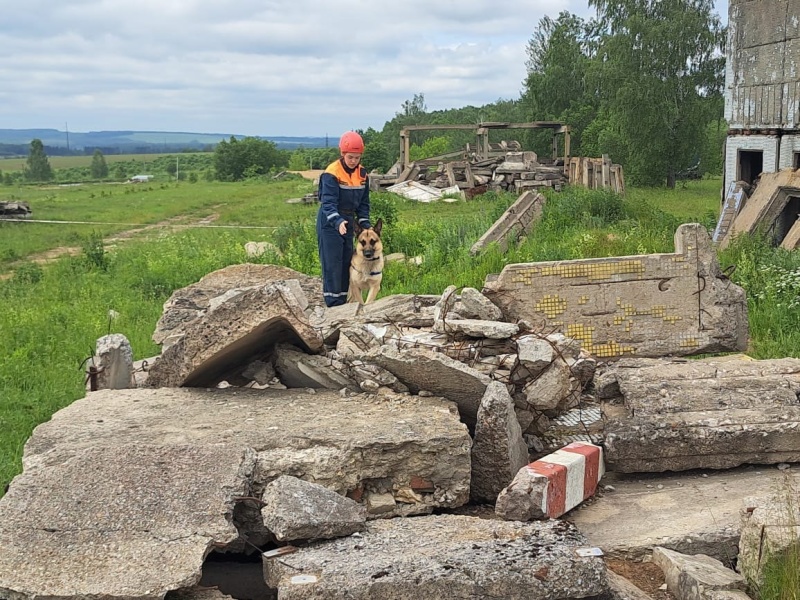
{"x": 534, "y": 354}
{"x": 622, "y": 589}
{"x": 498, "y": 450}
{"x": 553, "y": 485}
{"x": 496, "y": 330}
{"x": 188, "y": 304}
{"x": 113, "y": 362}
{"x": 695, "y": 577}
{"x": 770, "y": 529}
{"x": 703, "y": 414}
{"x": 403, "y": 310}
{"x": 294, "y": 509}
{"x": 442, "y": 556}
{"x": 297, "y": 369}
{"x": 132, "y": 520}
{"x": 693, "y": 513}
{"x": 515, "y": 222}
{"x": 243, "y": 328}
{"x": 648, "y": 305}
{"x": 358, "y": 442}
{"x": 421, "y": 369}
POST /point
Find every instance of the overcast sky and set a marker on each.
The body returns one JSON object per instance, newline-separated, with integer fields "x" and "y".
{"x": 257, "y": 67}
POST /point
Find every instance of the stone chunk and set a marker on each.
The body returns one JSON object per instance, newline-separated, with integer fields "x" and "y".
{"x": 498, "y": 450}
{"x": 114, "y": 362}
{"x": 770, "y": 528}
{"x": 475, "y": 305}
{"x": 246, "y": 325}
{"x": 695, "y": 577}
{"x": 300, "y": 510}
{"x": 442, "y": 556}
{"x": 512, "y": 224}
{"x": 648, "y": 305}
{"x": 554, "y": 389}
{"x": 424, "y": 370}
{"x": 553, "y": 485}
{"x": 534, "y": 354}
{"x": 132, "y": 520}
{"x": 342, "y": 443}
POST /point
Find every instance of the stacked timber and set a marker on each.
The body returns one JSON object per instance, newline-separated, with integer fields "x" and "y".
{"x": 596, "y": 173}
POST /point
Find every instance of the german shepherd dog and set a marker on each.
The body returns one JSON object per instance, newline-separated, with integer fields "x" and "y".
{"x": 366, "y": 266}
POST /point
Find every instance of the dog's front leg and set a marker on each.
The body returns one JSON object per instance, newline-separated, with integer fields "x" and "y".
{"x": 373, "y": 292}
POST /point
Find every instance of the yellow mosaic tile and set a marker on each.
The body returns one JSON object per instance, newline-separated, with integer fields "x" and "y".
{"x": 594, "y": 271}
{"x": 689, "y": 343}
{"x": 551, "y": 305}
{"x": 583, "y": 300}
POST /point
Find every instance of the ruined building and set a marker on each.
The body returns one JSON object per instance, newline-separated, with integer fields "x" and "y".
{"x": 762, "y": 88}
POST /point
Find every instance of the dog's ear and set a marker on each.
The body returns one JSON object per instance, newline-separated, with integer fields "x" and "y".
{"x": 378, "y": 226}
{"x": 357, "y": 229}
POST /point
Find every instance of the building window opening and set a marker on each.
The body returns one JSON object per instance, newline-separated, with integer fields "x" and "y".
{"x": 751, "y": 163}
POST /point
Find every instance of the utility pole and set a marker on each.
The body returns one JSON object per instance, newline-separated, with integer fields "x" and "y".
{"x": 66, "y": 126}
{"x": 177, "y": 168}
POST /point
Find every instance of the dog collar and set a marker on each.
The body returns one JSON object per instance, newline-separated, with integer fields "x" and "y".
{"x": 375, "y": 272}
{"x": 375, "y": 258}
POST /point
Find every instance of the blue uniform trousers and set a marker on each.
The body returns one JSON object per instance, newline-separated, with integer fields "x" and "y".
{"x": 335, "y": 252}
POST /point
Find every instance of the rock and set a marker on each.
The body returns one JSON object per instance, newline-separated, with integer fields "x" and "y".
{"x": 114, "y": 362}
{"x": 564, "y": 346}
{"x": 622, "y": 589}
{"x": 378, "y": 504}
{"x": 188, "y": 304}
{"x": 300, "y": 510}
{"x": 534, "y": 355}
{"x": 705, "y": 414}
{"x": 694, "y": 577}
{"x": 424, "y": 370}
{"x": 199, "y": 593}
{"x": 475, "y": 305}
{"x": 300, "y": 370}
{"x": 647, "y": 305}
{"x": 247, "y": 326}
{"x": 553, "y": 388}
{"x": 340, "y": 443}
{"x": 363, "y": 373}
{"x": 259, "y": 371}
{"x": 256, "y": 249}
{"x": 442, "y": 556}
{"x": 498, "y": 450}
{"x": 770, "y": 528}
{"x": 478, "y": 329}
{"x": 583, "y": 369}
{"x": 128, "y": 520}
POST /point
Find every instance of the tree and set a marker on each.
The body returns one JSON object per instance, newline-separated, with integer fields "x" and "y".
{"x": 37, "y": 167}
{"x": 235, "y": 160}
{"x": 376, "y": 155}
{"x": 558, "y": 86}
{"x": 660, "y": 66}
{"x": 99, "y": 167}
{"x": 434, "y": 146}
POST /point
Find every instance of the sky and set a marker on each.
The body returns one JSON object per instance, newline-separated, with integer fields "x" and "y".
{"x": 258, "y": 67}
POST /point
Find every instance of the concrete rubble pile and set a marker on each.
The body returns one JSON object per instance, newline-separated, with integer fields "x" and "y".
{"x": 512, "y": 171}
{"x": 271, "y": 421}
{"x": 11, "y": 209}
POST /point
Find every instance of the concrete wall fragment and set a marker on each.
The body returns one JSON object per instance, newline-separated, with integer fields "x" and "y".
{"x": 646, "y": 305}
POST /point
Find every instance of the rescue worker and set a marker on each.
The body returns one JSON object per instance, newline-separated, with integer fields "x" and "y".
{"x": 344, "y": 197}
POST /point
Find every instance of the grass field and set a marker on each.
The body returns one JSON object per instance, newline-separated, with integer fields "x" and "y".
{"x": 69, "y": 162}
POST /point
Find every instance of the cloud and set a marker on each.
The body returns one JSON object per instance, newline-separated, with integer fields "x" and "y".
{"x": 280, "y": 67}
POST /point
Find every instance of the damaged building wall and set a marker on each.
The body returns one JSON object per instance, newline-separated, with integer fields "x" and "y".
{"x": 648, "y": 305}
{"x": 762, "y": 85}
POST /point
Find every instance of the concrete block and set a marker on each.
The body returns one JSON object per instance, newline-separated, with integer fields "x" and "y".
{"x": 647, "y": 305}
{"x": 114, "y": 362}
{"x": 553, "y": 485}
{"x": 512, "y": 224}
{"x": 694, "y": 577}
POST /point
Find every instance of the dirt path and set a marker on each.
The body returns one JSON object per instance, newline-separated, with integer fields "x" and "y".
{"x": 48, "y": 256}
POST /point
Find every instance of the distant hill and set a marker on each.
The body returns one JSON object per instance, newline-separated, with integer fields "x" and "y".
{"x": 16, "y": 141}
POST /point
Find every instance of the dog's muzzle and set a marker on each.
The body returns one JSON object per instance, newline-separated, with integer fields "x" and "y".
{"x": 369, "y": 253}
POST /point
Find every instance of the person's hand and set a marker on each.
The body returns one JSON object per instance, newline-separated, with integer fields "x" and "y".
{"x": 343, "y": 228}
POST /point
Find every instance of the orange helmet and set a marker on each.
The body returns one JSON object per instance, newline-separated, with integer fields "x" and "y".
{"x": 351, "y": 142}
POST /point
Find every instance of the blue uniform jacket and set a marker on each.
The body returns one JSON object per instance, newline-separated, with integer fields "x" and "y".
{"x": 344, "y": 194}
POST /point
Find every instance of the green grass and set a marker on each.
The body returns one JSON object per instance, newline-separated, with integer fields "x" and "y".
{"x": 134, "y": 205}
